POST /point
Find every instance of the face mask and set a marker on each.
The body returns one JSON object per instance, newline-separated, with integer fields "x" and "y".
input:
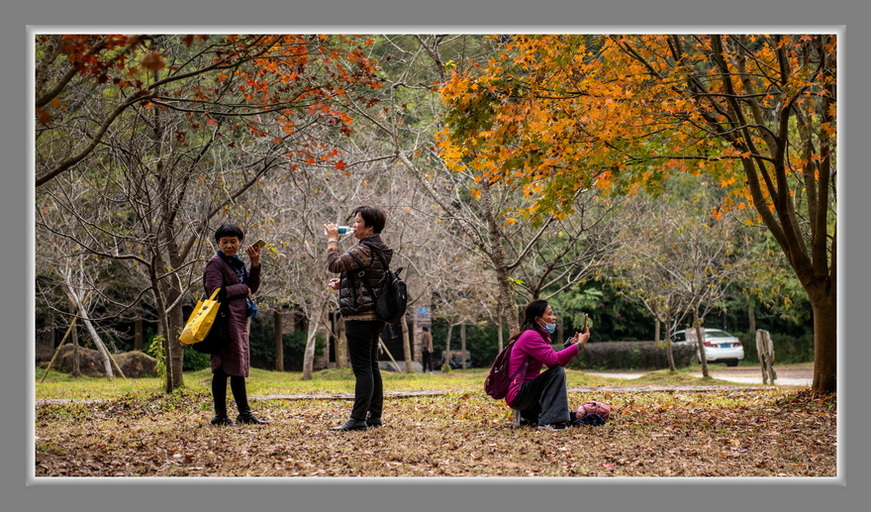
{"x": 550, "y": 328}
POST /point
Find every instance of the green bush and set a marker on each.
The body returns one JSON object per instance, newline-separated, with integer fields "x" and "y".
{"x": 262, "y": 345}
{"x": 194, "y": 360}
{"x": 625, "y": 355}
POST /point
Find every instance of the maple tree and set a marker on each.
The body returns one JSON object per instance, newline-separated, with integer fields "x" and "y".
{"x": 755, "y": 113}
{"x": 258, "y": 80}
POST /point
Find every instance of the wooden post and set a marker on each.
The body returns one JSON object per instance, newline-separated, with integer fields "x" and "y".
{"x": 765, "y": 351}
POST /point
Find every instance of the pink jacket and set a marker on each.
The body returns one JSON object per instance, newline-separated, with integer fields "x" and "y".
{"x": 533, "y": 346}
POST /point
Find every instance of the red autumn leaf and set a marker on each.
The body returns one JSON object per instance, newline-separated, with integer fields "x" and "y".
{"x": 43, "y": 116}
{"x": 153, "y": 62}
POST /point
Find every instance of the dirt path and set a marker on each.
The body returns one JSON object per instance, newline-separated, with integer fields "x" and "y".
{"x": 740, "y": 374}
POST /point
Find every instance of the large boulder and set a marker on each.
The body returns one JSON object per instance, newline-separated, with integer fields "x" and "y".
{"x": 136, "y": 364}
{"x": 133, "y": 364}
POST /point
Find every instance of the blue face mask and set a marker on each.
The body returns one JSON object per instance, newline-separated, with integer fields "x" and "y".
{"x": 550, "y": 328}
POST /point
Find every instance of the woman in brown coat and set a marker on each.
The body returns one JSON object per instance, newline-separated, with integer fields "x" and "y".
{"x": 238, "y": 285}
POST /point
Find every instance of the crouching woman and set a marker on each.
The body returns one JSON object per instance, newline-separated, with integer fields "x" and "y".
{"x": 540, "y": 398}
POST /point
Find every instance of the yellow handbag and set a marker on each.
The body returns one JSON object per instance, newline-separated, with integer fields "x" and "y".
{"x": 201, "y": 320}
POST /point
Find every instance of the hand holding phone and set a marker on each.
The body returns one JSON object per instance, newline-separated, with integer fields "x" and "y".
{"x": 260, "y": 244}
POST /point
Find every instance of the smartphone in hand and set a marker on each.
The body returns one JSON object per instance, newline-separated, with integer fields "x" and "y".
{"x": 260, "y": 244}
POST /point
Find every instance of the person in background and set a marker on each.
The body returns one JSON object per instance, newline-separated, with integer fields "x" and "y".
{"x": 368, "y": 260}
{"x": 238, "y": 285}
{"x": 426, "y": 349}
{"x": 541, "y": 398}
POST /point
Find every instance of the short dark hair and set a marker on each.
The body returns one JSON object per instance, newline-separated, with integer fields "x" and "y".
{"x": 229, "y": 230}
{"x": 372, "y": 216}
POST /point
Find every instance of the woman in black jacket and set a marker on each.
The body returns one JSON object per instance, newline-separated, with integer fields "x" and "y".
{"x": 365, "y": 262}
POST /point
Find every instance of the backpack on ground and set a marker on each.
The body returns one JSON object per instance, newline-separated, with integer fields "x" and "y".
{"x": 498, "y": 380}
{"x": 392, "y": 302}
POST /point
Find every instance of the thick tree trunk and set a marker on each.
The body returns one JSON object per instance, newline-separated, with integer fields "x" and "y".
{"x": 825, "y": 342}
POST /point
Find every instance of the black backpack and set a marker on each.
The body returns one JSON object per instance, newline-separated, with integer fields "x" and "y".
{"x": 391, "y": 303}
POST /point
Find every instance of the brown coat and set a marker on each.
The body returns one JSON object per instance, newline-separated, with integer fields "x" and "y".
{"x": 235, "y": 358}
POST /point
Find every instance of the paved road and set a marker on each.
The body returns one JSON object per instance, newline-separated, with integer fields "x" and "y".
{"x": 742, "y": 375}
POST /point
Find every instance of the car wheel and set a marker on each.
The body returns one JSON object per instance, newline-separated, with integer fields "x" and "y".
{"x": 731, "y": 362}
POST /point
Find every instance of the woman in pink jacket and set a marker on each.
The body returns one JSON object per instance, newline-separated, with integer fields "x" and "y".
{"x": 541, "y": 397}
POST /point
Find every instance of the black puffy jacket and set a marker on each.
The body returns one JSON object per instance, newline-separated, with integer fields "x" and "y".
{"x": 357, "y": 265}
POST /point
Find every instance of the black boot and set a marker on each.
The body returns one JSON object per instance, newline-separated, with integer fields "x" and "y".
{"x": 372, "y": 421}
{"x": 249, "y": 418}
{"x": 222, "y": 420}
{"x": 240, "y": 395}
{"x": 219, "y": 394}
{"x": 351, "y": 424}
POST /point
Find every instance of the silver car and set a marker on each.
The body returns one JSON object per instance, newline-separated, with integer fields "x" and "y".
{"x": 720, "y": 346}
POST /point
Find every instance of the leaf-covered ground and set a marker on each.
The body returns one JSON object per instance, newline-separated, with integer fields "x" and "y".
{"x": 728, "y": 432}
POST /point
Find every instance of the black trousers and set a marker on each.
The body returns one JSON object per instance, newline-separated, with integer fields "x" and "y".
{"x": 544, "y": 399}
{"x": 427, "y": 361}
{"x": 363, "y": 350}
{"x": 219, "y": 392}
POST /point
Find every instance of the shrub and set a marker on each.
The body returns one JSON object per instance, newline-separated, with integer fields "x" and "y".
{"x": 614, "y": 355}
{"x": 194, "y": 360}
{"x": 262, "y": 345}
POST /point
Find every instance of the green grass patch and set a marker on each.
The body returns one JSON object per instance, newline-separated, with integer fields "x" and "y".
{"x": 59, "y": 385}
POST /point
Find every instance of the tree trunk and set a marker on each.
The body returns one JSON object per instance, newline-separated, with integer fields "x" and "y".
{"x": 463, "y": 345}
{"x": 83, "y": 314}
{"x": 278, "y": 332}
{"x": 447, "y": 353}
{"x": 406, "y": 347}
{"x": 700, "y": 343}
{"x": 310, "y": 342}
{"x": 669, "y": 353}
{"x": 825, "y": 342}
{"x": 341, "y": 345}
{"x": 137, "y": 333}
{"x": 77, "y": 360}
{"x": 751, "y": 315}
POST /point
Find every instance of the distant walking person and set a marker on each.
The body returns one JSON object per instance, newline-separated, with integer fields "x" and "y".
{"x": 238, "y": 285}
{"x": 426, "y": 349}
{"x": 541, "y": 398}
{"x": 365, "y": 262}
